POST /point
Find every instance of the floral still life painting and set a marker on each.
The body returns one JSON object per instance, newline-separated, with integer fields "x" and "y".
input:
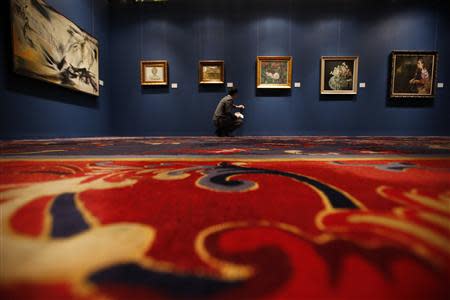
{"x": 274, "y": 71}
{"x": 339, "y": 75}
{"x": 49, "y": 47}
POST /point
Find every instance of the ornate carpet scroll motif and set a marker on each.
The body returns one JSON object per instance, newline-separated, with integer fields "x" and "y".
{"x": 156, "y": 229}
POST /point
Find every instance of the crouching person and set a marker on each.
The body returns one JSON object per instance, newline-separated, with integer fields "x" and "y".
{"x": 224, "y": 119}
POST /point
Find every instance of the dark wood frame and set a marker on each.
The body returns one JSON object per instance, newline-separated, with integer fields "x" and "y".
{"x": 433, "y": 73}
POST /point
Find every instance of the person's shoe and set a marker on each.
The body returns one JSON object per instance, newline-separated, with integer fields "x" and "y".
{"x": 219, "y": 133}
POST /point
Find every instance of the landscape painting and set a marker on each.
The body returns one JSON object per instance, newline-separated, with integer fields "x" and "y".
{"x": 339, "y": 75}
{"x": 274, "y": 72}
{"x": 413, "y": 74}
{"x": 49, "y": 47}
{"x": 211, "y": 72}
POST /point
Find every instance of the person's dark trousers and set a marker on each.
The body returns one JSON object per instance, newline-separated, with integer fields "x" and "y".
{"x": 226, "y": 125}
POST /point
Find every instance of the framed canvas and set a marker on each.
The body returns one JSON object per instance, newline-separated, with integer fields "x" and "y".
{"x": 154, "y": 72}
{"x": 413, "y": 74}
{"x": 49, "y": 47}
{"x": 211, "y": 72}
{"x": 339, "y": 75}
{"x": 274, "y": 72}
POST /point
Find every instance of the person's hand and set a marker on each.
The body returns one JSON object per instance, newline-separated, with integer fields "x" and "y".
{"x": 412, "y": 81}
{"x": 240, "y": 106}
{"x": 239, "y": 115}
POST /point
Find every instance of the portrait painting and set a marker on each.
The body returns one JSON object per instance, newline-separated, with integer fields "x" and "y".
{"x": 49, "y": 47}
{"x": 211, "y": 72}
{"x": 274, "y": 72}
{"x": 154, "y": 72}
{"x": 413, "y": 74}
{"x": 339, "y": 75}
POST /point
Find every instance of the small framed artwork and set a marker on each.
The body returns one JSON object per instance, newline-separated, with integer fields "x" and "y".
{"x": 339, "y": 75}
{"x": 413, "y": 74}
{"x": 211, "y": 72}
{"x": 154, "y": 72}
{"x": 273, "y": 72}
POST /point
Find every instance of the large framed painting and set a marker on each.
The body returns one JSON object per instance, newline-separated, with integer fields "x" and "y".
{"x": 274, "y": 72}
{"x": 339, "y": 75}
{"x": 211, "y": 72}
{"x": 50, "y": 47}
{"x": 154, "y": 72}
{"x": 413, "y": 74}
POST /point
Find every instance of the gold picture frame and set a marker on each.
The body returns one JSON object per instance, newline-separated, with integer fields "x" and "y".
{"x": 273, "y": 72}
{"x": 211, "y": 72}
{"x": 339, "y": 75}
{"x": 154, "y": 72}
{"x": 413, "y": 74}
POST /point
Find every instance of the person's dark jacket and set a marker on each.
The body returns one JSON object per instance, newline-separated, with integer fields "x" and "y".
{"x": 224, "y": 108}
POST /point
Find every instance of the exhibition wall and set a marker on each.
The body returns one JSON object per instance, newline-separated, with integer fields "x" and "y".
{"x": 35, "y": 109}
{"x": 184, "y": 32}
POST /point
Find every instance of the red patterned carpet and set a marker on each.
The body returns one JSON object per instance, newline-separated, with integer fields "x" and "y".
{"x": 202, "y": 218}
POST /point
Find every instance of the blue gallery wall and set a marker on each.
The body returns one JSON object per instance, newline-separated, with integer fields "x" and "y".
{"x": 183, "y": 32}
{"x": 31, "y": 108}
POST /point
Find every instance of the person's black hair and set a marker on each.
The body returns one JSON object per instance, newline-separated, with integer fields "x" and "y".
{"x": 420, "y": 58}
{"x": 232, "y": 91}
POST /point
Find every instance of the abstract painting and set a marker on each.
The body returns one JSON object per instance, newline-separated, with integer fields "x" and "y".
{"x": 338, "y": 74}
{"x": 49, "y": 47}
{"x": 274, "y": 72}
{"x": 154, "y": 72}
{"x": 413, "y": 74}
{"x": 211, "y": 72}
